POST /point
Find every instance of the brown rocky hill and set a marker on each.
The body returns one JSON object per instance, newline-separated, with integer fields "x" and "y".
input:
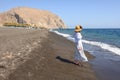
{"x": 33, "y": 17}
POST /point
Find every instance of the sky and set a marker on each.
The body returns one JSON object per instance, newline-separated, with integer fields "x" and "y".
{"x": 88, "y": 13}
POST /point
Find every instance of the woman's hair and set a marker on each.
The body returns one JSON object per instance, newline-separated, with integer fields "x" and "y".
{"x": 80, "y": 27}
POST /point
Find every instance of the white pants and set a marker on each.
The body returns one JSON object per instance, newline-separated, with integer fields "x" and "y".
{"x": 79, "y": 53}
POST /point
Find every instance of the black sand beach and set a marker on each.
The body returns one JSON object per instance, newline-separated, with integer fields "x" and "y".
{"x": 39, "y": 55}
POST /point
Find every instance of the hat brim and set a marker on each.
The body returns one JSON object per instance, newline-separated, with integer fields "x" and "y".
{"x": 77, "y": 30}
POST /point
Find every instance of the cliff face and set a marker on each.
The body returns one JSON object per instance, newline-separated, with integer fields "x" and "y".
{"x": 34, "y": 17}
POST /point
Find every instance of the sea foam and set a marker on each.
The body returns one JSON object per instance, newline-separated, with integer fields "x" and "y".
{"x": 108, "y": 47}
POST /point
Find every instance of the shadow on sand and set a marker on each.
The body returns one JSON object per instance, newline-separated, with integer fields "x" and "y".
{"x": 65, "y": 60}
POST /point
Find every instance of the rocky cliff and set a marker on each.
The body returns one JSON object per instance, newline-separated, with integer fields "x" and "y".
{"x": 31, "y": 16}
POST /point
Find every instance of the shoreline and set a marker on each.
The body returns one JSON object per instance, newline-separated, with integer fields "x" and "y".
{"x": 50, "y": 58}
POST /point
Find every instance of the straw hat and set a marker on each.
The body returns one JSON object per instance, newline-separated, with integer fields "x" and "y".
{"x": 78, "y": 28}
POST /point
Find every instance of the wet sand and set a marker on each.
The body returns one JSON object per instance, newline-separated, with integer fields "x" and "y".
{"x": 39, "y": 55}
{"x": 106, "y": 69}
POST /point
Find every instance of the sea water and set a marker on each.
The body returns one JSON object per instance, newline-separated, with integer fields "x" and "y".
{"x": 103, "y": 43}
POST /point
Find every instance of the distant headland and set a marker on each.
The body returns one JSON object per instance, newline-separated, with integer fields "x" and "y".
{"x": 31, "y": 17}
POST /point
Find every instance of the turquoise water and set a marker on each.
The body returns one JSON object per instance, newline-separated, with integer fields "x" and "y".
{"x": 109, "y": 36}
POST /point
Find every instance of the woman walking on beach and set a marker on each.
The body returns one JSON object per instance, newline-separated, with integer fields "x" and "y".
{"x": 79, "y": 52}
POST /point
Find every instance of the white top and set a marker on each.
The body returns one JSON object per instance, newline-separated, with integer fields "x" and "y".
{"x": 77, "y": 37}
{"x": 78, "y": 40}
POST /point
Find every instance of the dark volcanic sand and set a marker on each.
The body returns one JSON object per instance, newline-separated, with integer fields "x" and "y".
{"x": 44, "y": 56}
